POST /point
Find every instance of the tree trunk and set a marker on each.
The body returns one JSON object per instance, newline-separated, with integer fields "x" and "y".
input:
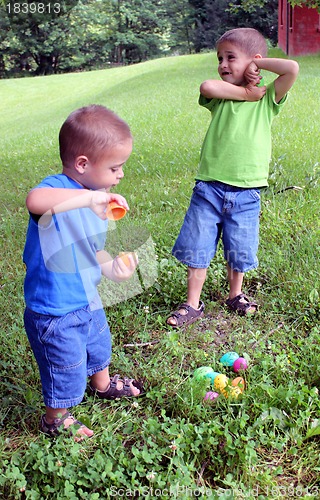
{"x": 45, "y": 65}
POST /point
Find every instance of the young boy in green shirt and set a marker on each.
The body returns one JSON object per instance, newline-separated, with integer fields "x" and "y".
{"x": 234, "y": 164}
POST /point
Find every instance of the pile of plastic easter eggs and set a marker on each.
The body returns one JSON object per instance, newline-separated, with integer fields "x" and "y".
{"x": 219, "y": 382}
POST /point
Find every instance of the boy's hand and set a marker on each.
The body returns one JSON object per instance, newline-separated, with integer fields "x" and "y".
{"x": 252, "y": 74}
{"x": 117, "y": 269}
{"x": 101, "y": 199}
{"x": 254, "y": 93}
{"x": 286, "y": 69}
{"x": 124, "y": 267}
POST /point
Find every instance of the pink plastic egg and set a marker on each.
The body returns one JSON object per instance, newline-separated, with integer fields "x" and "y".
{"x": 240, "y": 364}
{"x": 210, "y": 396}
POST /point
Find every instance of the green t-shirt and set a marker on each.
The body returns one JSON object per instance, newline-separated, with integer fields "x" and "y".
{"x": 237, "y": 146}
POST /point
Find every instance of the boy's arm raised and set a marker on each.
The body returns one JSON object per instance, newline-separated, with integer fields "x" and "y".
{"x": 287, "y": 70}
{"x": 218, "y": 89}
{"x": 42, "y": 200}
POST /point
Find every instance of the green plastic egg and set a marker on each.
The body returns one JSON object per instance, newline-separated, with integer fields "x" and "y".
{"x": 205, "y": 372}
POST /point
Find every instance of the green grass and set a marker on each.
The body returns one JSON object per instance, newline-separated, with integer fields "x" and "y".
{"x": 265, "y": 443}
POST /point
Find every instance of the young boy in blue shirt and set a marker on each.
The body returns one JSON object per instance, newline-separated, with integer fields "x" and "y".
{"x": 65, "y": 259}
{"x": 234, "y": 164}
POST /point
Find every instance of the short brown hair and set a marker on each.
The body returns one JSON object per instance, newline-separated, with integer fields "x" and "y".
{"x": 90, "y": 131}
{"x": 249, "y": 40}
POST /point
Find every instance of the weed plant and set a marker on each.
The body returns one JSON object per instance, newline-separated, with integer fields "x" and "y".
{"x": 264, "y": 444}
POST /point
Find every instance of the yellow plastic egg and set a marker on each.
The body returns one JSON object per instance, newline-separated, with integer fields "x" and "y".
{"x": 220, "y": 382}
{"x": 233, "y": 392}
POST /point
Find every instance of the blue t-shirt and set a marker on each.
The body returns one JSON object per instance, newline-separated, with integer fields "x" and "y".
{"x": 62, "y": 272}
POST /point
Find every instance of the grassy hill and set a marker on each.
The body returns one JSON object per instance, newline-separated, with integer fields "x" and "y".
{"x": 267, "y": 441}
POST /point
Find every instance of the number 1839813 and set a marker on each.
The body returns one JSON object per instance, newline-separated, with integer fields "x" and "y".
{"x": 33, "y": 8}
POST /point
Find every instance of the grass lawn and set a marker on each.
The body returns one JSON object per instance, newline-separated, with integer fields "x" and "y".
{"x": 170, "y": 443}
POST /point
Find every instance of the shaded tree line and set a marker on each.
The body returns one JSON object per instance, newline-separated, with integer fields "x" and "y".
{"x": 44, "y": 37}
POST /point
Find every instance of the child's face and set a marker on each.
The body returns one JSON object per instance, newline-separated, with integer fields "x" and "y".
{"x": 232, "y": 63}
{"x": 108, "y": 170}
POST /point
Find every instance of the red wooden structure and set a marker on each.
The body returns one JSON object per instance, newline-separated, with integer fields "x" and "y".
{"x": 298, "y": 29}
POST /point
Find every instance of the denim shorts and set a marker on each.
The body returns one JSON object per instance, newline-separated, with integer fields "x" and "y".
{"x": 68, "y": 349}
{"x": 219, "y": 210}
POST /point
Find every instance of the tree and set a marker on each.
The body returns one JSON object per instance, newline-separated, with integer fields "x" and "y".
{"x": 261, "y": 15}
{"x": 88, "y": 44}
{"x": 67, "y": 35}
{"x": 72, "y": 34}
{"x": 180, "y": 26}
{"x": 138, "y": 29}
{"x": 36, "y": 30}
{"x": 214, "y": 17}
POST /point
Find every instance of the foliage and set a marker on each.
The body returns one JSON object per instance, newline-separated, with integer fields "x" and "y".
{"x": 249, "y": 5}
{"x": 261, "y": 15}
{"x": 180, "y": 28}
{"x": 266, "y": 442}
{"x": 214, "y": 17}
{"x": 313, "y": 4}
{"x": 43, "y": 38}
{"x": 77, "y": 33}
{"x": 36, "y": 32}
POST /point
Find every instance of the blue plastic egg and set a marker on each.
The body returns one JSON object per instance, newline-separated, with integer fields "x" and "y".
{"x": 229, "y": 358}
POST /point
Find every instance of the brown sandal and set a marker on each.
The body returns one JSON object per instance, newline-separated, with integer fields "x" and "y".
{"x": 241, "y": 304}
{"x": 58, "y": 427}
{"x": 114, "y": 393}
{"x": 191, "y": 315}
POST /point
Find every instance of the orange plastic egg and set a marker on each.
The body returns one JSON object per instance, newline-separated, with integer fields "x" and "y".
{"x": 115, "y": 211}
{"x": 124, "y": 257}
{"x": 238, "y": 382}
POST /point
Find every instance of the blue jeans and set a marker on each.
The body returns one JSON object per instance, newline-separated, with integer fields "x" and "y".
{"x": 219, "y": 210}
{"x": 68, "y": 349}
